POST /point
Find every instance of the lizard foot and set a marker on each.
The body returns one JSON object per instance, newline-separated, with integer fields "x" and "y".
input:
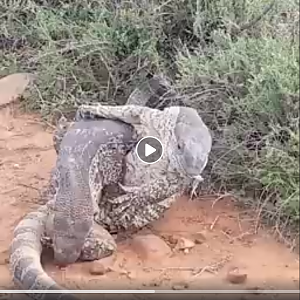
{"x": 136, "y": 217}
{"x": 99, "y": 244}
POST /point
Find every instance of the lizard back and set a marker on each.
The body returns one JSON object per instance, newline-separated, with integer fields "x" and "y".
{"x": 90, "y": 157}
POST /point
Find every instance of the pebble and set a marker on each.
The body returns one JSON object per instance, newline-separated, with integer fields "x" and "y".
{"x": 102, "y": 266}
{"x": 235, "y": 276}
{"x": 98, "y": 269}
{"x": 150, "y": 246}
{"x": 185, "y": 244}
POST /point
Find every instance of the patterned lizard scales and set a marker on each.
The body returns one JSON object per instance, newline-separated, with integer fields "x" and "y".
{"x": 79, "y": 145}
{"x": 150, "y": 189}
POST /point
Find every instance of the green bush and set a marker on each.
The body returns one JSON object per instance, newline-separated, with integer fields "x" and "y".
{"x": 250, "y": 98}
{"x": 242, "y": 76}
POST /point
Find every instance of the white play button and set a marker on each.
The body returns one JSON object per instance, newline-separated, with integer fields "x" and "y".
{"x": 149, "y": 150}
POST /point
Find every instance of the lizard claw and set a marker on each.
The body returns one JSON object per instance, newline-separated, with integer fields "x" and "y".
{"x": 195, "y": 185}
{"x": 193, "y": 194}
{"x": 128, "y": 189}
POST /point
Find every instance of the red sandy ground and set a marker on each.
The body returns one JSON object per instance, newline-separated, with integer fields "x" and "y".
{"x": 229, "y": 238}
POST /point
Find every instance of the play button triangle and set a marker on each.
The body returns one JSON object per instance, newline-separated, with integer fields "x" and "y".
{"x": 149, "y": 150}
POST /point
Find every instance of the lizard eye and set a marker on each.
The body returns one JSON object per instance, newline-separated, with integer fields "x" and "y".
{"x": 179, "y": 147}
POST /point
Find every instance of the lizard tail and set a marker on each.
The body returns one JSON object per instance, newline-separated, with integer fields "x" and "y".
{"x": 155, "y": 86}
{"x": 25, "y": 257}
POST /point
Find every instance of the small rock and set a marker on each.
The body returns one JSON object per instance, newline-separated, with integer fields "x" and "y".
{"x": 98, "y": 269}
{"x": 14, "y": 85}
{"x": 150, "y": 247}
{"x": 102, "y": 266}
{"x": 180, "y": 286}
{"x": 183, "y": 244}
{"x": 199, "y": 238}
{"x": 235, "y": 276}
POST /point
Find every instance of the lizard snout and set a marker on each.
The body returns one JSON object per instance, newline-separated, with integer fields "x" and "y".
{"x": 65, "y": 251}
{"x": 66, "y": 257}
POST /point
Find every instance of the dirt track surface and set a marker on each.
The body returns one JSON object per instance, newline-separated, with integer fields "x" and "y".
{"x": 224, "y": 234}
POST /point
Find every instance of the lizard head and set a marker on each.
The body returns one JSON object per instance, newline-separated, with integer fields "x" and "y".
{"x": 193, "y": 142}
{"x": 68, "y": 239}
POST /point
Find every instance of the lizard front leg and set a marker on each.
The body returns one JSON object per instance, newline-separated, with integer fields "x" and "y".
{"x": 152, "y": 192}
{"x": 131, "y": 114}
{"x": 140, "y": 205}
{"x": 147, "y": 214}
{"x": 195, "y": 186}
{"x": 140, "y": 216}
{"x": 106, "y": 168}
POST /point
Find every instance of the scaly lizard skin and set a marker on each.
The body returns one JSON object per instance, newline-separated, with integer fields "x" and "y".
{"x": 140, "y": 96}
{"x": 187, "y": 143}
{"x": 26, "y": 248}
{"x": 83, "y": 158}
{"x": 90, "y": 157}
{"x": 25, "y": 256}
{"x": 139, "y": 206}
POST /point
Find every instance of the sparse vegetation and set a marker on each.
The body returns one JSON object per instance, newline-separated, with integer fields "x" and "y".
{"x": 237, "y": 62}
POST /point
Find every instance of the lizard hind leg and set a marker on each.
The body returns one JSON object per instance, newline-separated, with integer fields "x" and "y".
{"x": 99, "y": 244}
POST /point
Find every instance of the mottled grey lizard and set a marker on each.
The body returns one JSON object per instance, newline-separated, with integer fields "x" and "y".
{"x": 155, "y": 192}
{"x": 187, "y": 143}
{"x": 86, "y": 150}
